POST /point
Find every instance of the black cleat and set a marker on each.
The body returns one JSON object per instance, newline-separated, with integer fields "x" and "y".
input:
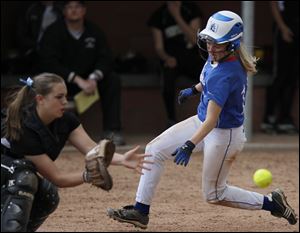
{"x": 283, "y": 208}
{"x": 130, "y": 215}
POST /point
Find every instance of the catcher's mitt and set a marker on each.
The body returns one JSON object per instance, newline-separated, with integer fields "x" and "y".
{"x": 96, "y": 161}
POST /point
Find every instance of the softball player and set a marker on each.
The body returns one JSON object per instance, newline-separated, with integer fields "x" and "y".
{"x": 32, "y": 136}
{"x": 217, "y": 129}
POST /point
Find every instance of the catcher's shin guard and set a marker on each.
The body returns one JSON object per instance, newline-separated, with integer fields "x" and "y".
{"x": 45, "y": 202}
{"x": 16, "y": 200}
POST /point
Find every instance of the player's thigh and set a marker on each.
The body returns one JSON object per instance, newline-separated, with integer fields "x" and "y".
{"x": 220, "y": 149}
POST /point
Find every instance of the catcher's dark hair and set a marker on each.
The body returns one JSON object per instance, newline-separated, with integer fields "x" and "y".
{"x": 24, "y": 96}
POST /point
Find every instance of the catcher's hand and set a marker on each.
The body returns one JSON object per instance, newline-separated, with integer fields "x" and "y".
{"x": 96, "y": 162}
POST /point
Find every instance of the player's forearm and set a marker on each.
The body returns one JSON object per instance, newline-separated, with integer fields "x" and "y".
{"x": 212, "y": 115}
{"x": 199, "y": 87}
{"x": 207, "y": 126}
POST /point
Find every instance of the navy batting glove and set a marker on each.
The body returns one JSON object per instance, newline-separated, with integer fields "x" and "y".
{"x": 183, "y": 153}
{"x": 186, "y": 93}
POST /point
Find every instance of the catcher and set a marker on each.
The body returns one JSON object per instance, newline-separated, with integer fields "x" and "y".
{"x": 34, "y": 130}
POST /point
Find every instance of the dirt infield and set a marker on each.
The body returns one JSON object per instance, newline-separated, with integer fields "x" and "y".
{"x": 178, "y": 204}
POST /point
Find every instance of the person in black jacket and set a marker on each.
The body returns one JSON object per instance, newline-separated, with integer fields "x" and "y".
{"x": 280, "y": 95}
{"x": 174, "y": 26}
{"x": 77, "y": 50}
{"x": 29, "y": 31}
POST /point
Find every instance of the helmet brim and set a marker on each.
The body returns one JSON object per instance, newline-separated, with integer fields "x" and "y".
{"x": 206, "y": 34}
{"x": 209, "y": 35}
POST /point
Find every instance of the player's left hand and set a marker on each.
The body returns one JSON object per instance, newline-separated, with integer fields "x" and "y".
{"x": 183, "y": 153}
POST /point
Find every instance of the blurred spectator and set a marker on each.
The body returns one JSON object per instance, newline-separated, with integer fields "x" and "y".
{"x": 174, "y": 26}
{"x": 281, "y": 94}
{"x": 77, "y": 50}
{"x": 30, "y": 28}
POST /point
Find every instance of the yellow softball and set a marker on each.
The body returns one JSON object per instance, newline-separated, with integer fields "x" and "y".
{"x": 262, "y": 178}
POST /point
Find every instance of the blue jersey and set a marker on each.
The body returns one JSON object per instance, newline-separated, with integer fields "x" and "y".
{"x": 226, "y": 84}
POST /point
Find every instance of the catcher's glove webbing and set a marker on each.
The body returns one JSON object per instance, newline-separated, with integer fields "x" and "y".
{"x": 96, "y": 162}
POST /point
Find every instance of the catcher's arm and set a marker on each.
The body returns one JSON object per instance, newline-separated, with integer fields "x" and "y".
{"x": 97, "y": 158}
{"x": 48, "y": 169}
{"x": 81, "y": 140}
{"x": 131, "y": 159}
{"x": 100, "y": 156}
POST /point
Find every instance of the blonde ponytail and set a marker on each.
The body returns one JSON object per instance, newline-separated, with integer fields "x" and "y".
{"x": 248, "y": 61}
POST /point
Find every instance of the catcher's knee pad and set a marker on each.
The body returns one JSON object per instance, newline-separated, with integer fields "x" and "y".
{"x": 45, "y": 202}
{"x": 16, "y": 200}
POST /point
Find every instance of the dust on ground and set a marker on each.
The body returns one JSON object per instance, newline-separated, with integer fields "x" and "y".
{"x": 178, "y": 204}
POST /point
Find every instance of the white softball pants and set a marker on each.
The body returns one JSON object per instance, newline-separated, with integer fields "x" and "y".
{"x": 220, "y": 147}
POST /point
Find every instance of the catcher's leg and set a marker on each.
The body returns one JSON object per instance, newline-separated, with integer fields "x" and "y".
{"x": 16, "y": 200}
{"x": 45, "y": 202}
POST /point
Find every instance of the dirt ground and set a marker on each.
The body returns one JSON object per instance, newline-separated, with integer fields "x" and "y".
{"x": 178, "y": 203}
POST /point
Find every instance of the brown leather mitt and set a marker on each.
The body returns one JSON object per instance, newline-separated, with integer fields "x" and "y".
{"x": 97, "y": 161}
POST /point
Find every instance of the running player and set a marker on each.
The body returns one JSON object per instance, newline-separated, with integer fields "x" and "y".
{"x": 217, "y": 129}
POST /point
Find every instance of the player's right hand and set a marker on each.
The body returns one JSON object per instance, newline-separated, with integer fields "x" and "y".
{"x": 184, "y": 94}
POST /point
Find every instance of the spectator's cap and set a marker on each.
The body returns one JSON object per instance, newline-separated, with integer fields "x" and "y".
{"x": 67, "y": 2}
